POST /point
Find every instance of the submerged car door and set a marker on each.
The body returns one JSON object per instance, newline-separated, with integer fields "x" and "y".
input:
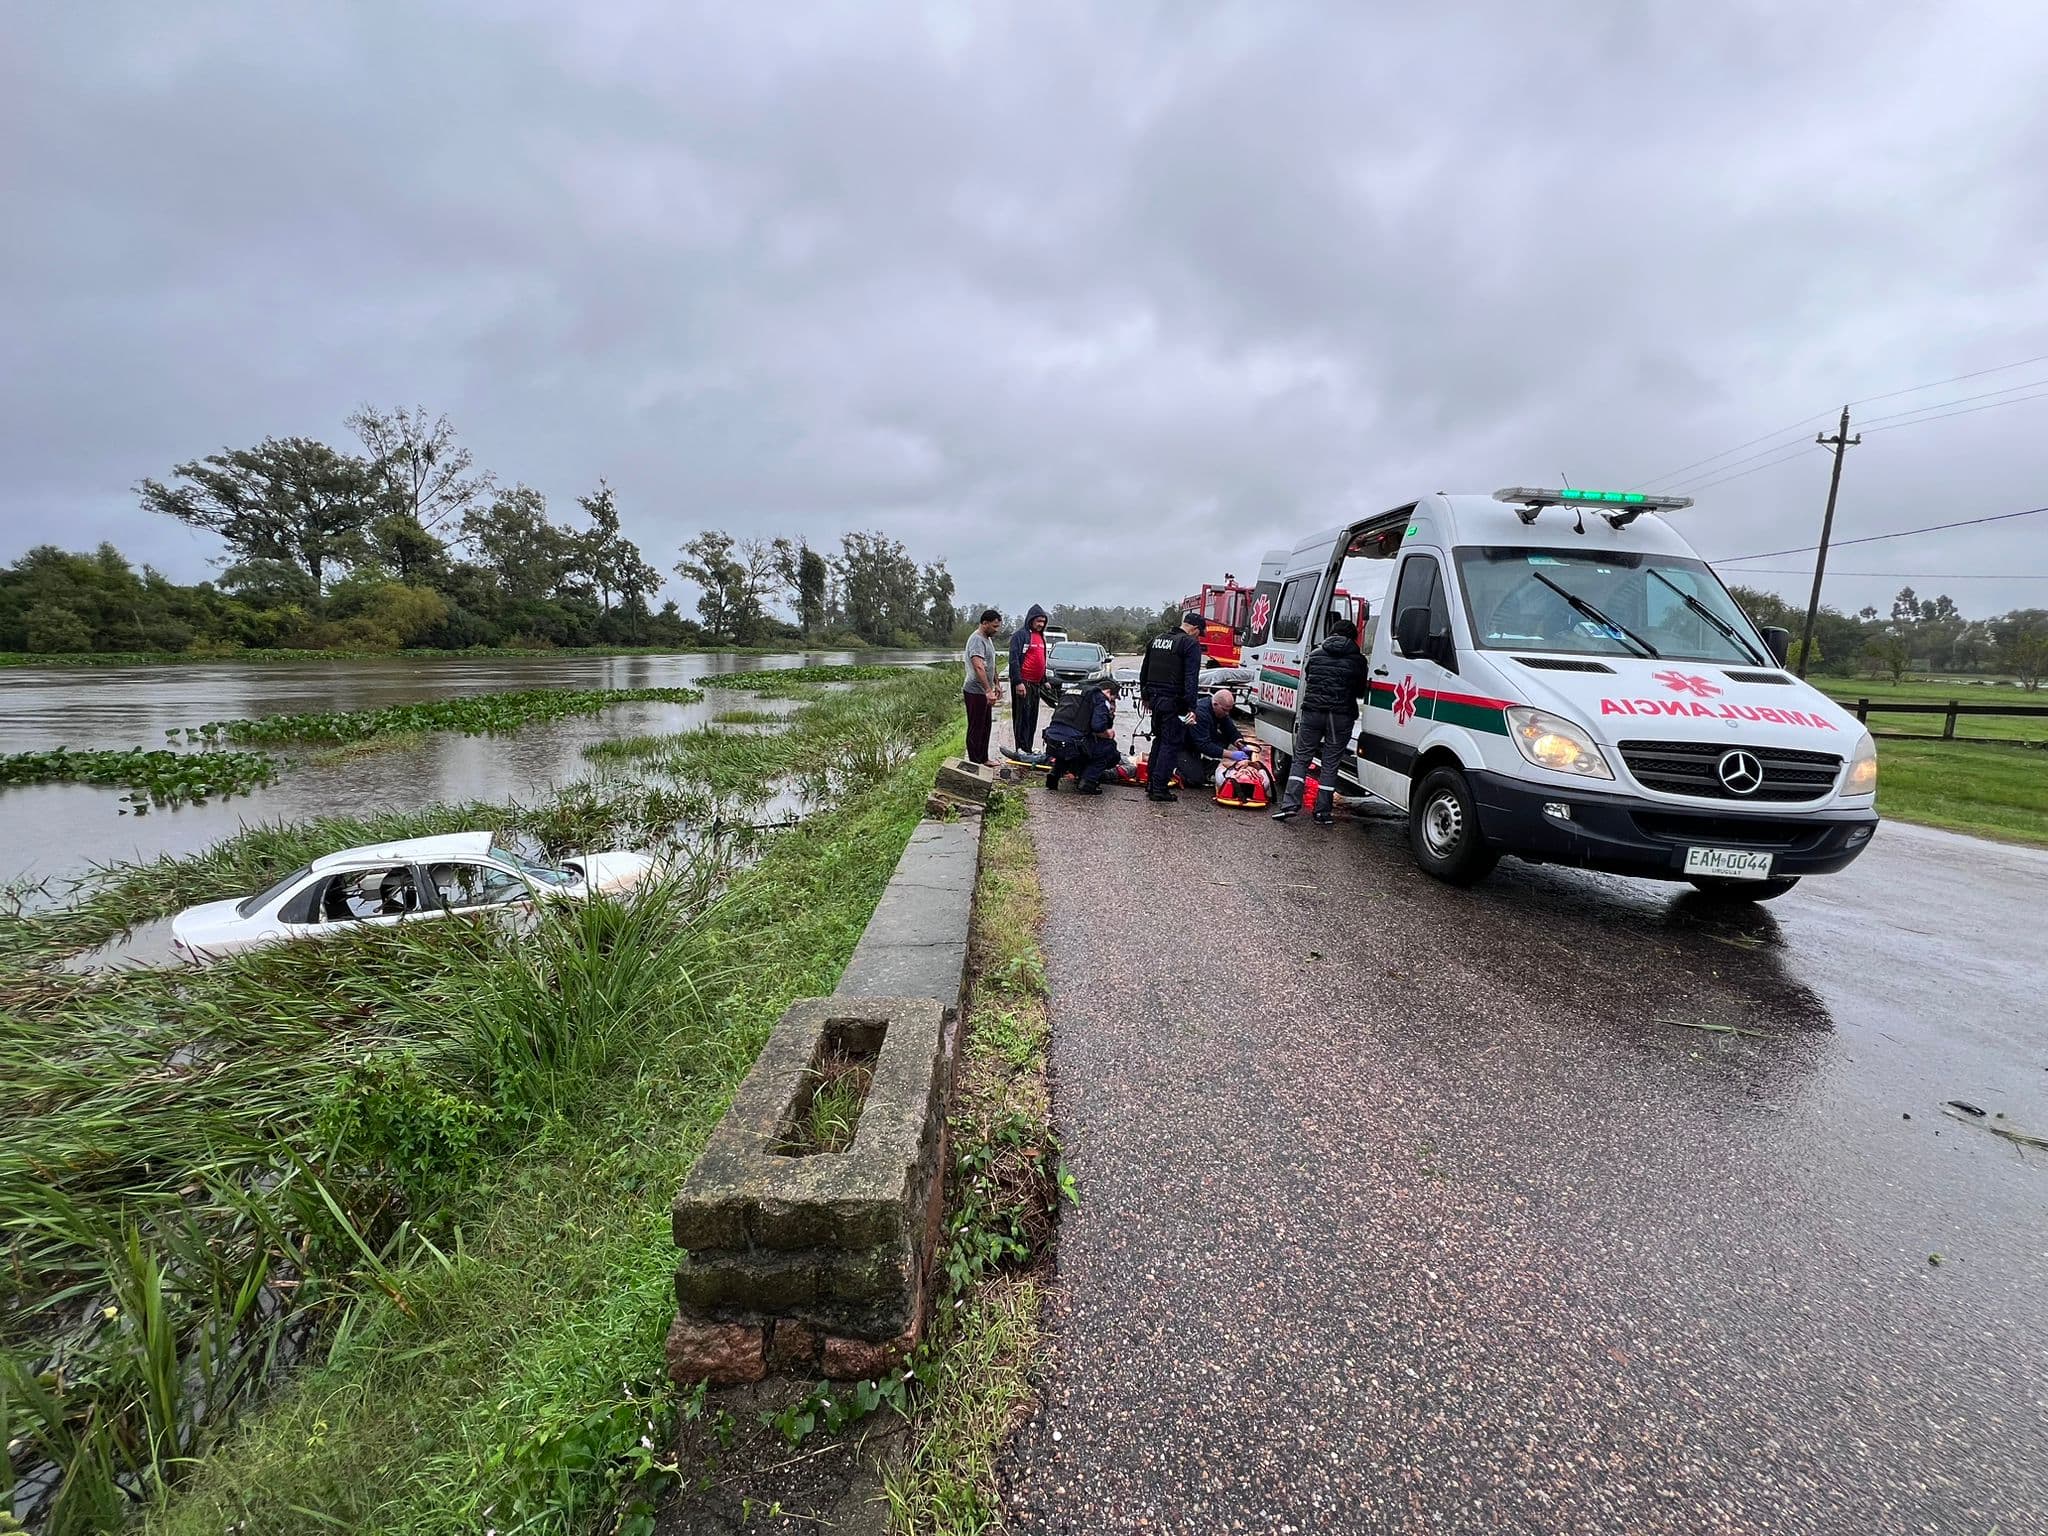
{"x": 1400, "y": 707}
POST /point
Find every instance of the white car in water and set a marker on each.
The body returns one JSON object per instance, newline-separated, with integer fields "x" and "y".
{"x": 411, "y": 880}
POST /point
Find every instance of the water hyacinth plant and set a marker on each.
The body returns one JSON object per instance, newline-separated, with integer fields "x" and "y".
{"x": 479, "y": 714}
{"x": 152, "y": 778}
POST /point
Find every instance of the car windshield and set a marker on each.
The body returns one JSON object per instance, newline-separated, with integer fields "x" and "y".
{"x": 547, "y": 874}
{"x": 1518, "y": 601}
{"x": 268, "y": 894}
{"x": 1075, "y": 653}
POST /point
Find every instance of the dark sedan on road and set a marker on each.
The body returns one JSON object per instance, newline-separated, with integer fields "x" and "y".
{"x": 1075, "y": 661}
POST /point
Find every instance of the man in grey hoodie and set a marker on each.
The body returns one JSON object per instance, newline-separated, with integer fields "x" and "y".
{"x": 1027, "y": 675}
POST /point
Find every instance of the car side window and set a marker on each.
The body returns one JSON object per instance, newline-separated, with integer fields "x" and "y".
{"x": 1294, "y": 600}
{"x": 354, "y": 895}
{"x": 463, "y": 885}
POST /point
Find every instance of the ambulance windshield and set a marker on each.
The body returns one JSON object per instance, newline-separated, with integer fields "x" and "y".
{"x": 1520, "y": 599}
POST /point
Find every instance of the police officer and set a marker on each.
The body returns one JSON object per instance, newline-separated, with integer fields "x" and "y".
{"x": 1169, "y": 681}
{"x": 1082, "y": 737}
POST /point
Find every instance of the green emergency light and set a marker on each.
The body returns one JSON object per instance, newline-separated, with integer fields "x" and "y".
{"x": 1629, "y": 505}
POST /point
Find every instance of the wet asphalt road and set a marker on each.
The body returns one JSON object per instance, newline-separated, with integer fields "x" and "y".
{"x": 1408, "y": 1208}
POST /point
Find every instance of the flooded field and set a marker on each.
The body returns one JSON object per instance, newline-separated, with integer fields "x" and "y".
{"x": 57, "y": 830}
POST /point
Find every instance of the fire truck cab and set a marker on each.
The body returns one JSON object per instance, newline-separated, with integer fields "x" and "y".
{"x": 1224, "y": 608}
{"x": 1557, "y": 676}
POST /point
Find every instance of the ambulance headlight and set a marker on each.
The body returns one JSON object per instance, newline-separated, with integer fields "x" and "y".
{"x": 1862, "y": 779}
{"x": 1553, "y": 742}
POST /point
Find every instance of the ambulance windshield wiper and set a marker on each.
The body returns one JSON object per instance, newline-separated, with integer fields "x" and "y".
{"x": 1712, "y": 618}
{"x": 1580, "y": 605}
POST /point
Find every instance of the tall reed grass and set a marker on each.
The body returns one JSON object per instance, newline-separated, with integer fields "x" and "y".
{"x": 211, "y": 1178}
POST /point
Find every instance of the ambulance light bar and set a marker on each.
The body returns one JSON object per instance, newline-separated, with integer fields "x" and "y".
{"x": 1627, "y": 505}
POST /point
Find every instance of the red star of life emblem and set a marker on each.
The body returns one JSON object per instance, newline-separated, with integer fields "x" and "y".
{"x": 1405, "y": 695}
{"x": 1261, "y": 611}
{"x": 1689, "y": 682}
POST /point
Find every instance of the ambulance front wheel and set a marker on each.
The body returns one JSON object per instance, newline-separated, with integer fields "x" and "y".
{"x": 1443, "y": 829}
{"x": 1743, "y": 890}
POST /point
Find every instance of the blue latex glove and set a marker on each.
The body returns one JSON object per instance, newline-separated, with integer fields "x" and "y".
{"x": 1236, "y": 756}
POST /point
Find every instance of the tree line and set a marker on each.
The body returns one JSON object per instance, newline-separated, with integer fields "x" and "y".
{"x": 403, "y": 542}
{"x": 1916, "y": 635}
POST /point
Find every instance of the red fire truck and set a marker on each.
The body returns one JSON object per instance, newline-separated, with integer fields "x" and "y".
{"x": 1226, "y": 611}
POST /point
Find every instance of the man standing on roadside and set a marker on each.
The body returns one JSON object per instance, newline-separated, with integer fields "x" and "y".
{"x": 978, "y": 688}
{"x": 1169, "y": 681}
{"x": 1027, "y": 673}
{"x": 1332, "y": 683}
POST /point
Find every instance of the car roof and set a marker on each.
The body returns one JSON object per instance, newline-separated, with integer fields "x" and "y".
{"x": 450, "y": 845}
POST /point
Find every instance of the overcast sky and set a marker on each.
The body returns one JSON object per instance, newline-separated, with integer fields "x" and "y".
{"x": 1092, "y": 300}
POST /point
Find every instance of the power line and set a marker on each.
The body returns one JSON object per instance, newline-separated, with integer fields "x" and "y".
{"x": 1740, "y": 473}
{"x": 1971, "y": 411}
{"x": 1797, "y": 426}
{"x": 1953, "y": 379}
{"x": 1680, "y": 484}
{"x": 1942, "y": 405}
{"x": 1804, "y": 421}
{"x": 1879, "y": 538}
{"x": 1802, "y": 570}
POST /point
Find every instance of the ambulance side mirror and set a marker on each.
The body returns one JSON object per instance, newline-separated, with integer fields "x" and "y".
{"x": 1411, "y": 632}
{"x": 1778, "y": 641}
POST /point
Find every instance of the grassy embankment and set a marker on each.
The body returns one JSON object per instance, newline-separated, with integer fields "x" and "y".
{"x": 436, "y": 1163}
{"x": 1992, "y": 784}
{"x": 973, "y": 1376}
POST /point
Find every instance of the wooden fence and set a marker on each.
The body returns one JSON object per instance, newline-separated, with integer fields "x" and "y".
{"x": 1950, "y": 713}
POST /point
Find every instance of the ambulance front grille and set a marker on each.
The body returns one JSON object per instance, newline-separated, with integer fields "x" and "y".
{"x": 1691, "y": 768}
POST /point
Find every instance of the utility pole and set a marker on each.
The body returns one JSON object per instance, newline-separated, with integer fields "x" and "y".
{"x": 1840, "y": 441}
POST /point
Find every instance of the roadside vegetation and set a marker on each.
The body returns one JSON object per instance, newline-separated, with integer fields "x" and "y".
{"x": 477, "y": 714}
{"x": 158, "y": 778}
{"x": 1990, "y": 781}
{"x": 410, "y": 1187}
{"x": 1006, "y": 1188}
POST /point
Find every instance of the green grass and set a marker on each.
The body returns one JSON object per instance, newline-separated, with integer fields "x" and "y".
{"x": 1847, "y": 691}
{"x": 799, "y": 682}
{"x": 445, "y": 1151}
{"x": 1990, "y": 789}
{"x": 516, "y": 1385}
{"x": 1983, "y": 782}
{"x": 476, "y": 714}
{"x": 974, "y": 1371}
{"x": 849, "y": 734}
{"x": 748, "y": 717}
{"x": 152, "y": 778}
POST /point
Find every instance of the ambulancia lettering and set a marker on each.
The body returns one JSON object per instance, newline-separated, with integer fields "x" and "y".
{"x": 1693, "y": 709}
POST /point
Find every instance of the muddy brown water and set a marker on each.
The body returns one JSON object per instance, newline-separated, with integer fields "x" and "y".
{"x": 54, "y": 831}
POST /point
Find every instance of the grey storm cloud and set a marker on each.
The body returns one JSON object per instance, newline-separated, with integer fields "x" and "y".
{"x": 1092, "y": 301}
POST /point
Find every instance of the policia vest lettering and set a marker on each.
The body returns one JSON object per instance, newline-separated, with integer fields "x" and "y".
{"x": 1077, "y": 711}
{"x": 1163, "y": 669}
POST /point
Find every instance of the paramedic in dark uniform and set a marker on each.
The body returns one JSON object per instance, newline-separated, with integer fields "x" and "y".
{"x": 1333, "y": 682}
{"x": 1213, "y": 737}
{"x": 1082, "y": 737}
{"x": 1169, "y": 681}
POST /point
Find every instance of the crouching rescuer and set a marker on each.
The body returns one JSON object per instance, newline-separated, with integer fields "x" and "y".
{"x": 1170, "y": 682}
{"x": 1333, "y": 683}
{"x": 1082, "y": 737}
{"x": 1213, "y": 738}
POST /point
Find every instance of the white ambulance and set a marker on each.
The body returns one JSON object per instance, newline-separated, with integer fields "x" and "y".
{"x": 1557, "y": 676}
